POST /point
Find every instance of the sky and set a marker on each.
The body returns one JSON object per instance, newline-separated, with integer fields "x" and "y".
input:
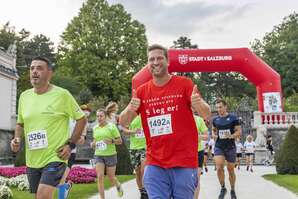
{"x": 208, "y": 23}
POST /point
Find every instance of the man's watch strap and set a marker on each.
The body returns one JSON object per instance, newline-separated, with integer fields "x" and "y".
{"x": 71, "y": 145}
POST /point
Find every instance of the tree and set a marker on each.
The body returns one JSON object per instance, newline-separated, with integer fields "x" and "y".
{"x": 102, "y": 48}
{"x": 184, "y": 43}
{"x": 279, "y": 48}
{"x": 287, "y": 159}
{"x": 26, "y": 50}
{"x": 39, "y": 45}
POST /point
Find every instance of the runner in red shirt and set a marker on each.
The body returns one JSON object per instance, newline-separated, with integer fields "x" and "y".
{"x": 172, "y": 141}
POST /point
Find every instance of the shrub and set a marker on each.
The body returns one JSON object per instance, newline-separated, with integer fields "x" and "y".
{"x": 287, "y": 159}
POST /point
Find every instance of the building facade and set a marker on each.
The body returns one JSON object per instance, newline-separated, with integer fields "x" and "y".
{"x": 8, "y": 90}
{"x": 8, "y": 95}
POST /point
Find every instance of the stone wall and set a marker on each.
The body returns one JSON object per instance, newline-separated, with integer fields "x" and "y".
{"x": 6, "y": 155}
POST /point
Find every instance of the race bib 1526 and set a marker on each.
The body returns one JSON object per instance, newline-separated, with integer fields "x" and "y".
{"x": 37, "y": 140}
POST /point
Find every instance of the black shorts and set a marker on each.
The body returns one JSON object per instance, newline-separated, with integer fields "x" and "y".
{"x": 239, "y": 155}
{"x": 200, "y": 158}
{"x": 228, "y": 153}
{"x": 71, "y": 160}
{"x": 205, "y": 153}
{"x": 51, "y": 175}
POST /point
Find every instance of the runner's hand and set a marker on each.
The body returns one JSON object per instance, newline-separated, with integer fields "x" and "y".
{"x": 135, "y": 102}
{"x": 64, "y": 152}
{"x": 92, "y": 144}
{"x": 81, "y": 140}
{"x": 108, "y": 141}
{"x": 196, "y": 99}
{"x": 15, "y": 144}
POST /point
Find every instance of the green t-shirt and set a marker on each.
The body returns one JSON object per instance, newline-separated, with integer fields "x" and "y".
{"x": 138, "y": 140}
{"x": 46, "y": 123}
{"x": 201, "y": 127}
{"x": 108, "y": 131}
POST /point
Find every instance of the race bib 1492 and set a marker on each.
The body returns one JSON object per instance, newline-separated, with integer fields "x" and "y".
{"x": 160, "y": 125}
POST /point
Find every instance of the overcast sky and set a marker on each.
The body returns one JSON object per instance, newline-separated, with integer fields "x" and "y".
{"x": 208, "y": 23}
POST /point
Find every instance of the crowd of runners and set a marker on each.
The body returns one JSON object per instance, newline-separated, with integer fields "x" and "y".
{"x": 167, "y": 123}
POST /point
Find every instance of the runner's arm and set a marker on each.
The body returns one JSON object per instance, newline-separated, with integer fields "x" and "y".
{"x": 237, "y": 132}
{"x": 214, "y": 132}
{"x": 126, "y": 117}
{"x": 78, "y": 129}
{"x": 15, "y": 143}
{"x": 127, "y": 131}
{"x": 116, "y": 141}
{"x": 202, "y": 108}
{"x": 204, "y": 136}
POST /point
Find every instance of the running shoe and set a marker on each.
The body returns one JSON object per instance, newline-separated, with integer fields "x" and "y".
{"x": 233, "y": 194}
{"x": 223, "y": 192}
{"x": 119, "y": 190}
{"x": 144, "y": 196}
{"x": 67, "y": 189}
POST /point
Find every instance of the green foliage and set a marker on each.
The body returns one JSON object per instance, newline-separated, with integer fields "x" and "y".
{"x": 291, "y": 103}
{"x": 103, "y": 47}
{"x": 123, "y": 165}
{"x": 85, "y": 96}
{"x": 279, "y": 48}
{"x": 290, "y": 182}
{"x": 220, "y": 85}
{"x": 184, "y": 43}
{"x": 26, "y": 50}
{"x": 71, "y": 84}
{"x": 287, "y": 159}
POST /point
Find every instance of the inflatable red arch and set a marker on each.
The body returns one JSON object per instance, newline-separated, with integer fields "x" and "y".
{"x": 242, "y": 60}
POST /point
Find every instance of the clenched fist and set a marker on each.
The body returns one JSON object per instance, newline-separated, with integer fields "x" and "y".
{"x": 135, "y": 102}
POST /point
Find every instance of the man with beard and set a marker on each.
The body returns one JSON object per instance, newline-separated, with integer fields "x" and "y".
{"x": 44, "y": 112}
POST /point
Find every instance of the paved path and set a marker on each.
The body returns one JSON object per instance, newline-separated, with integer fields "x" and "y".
{"x": 248, "y": 186}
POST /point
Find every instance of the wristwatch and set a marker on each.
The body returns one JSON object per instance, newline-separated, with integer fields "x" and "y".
{"x": 71, "y": 145}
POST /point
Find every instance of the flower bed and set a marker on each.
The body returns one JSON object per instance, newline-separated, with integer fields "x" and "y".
{"x": 82, "y": 175}
{"x": 5, "y": 192}
{"x": 10, "y": 172}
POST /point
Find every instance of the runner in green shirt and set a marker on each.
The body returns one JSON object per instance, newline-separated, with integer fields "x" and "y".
{"x": 137, "y": 152}
{"x": 43, "y": 117}
{"x": 105, "y": 137}
{"x": 203, "y": 135}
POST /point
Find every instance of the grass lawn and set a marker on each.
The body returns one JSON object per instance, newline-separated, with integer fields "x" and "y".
{"x": 290, "y": 182}
{"x": 82, "y": 191}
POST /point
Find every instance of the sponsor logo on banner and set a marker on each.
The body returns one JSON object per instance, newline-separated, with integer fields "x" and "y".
{"x": 183, "y": 59}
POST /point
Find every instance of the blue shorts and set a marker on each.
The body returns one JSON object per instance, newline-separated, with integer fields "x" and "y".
{"x": 177, "y": 183}
{"x": 228, "y": 153}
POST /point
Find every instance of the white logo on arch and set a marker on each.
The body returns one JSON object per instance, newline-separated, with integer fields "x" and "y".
{"x": 183, "y": 59}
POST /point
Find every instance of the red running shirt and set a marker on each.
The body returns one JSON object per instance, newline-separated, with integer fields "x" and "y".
{"x": 168, "y": 123}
